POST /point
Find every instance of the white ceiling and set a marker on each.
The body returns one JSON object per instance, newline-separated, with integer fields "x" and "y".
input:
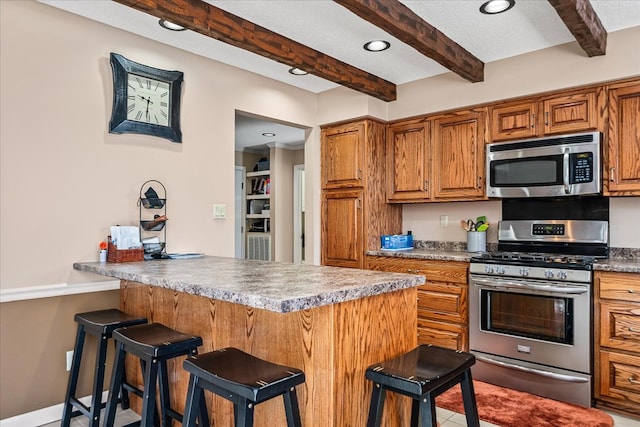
{"x": 329, "y": 28}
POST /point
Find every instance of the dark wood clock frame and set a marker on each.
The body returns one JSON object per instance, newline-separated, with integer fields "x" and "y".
{"x": 119, "y": 123}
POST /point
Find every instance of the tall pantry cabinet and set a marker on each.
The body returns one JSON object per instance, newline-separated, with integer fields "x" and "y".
{"x": 354, "y": 208}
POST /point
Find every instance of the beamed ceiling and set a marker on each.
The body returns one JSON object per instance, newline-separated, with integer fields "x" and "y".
{"x": 325, "y": 37}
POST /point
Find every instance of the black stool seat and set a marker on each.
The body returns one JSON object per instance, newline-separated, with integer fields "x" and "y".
{"x": 153, "y": 344}
{"x": 422, "y": 374}
{"x": 243, "y": 379}
{"x": 100, "y": 324}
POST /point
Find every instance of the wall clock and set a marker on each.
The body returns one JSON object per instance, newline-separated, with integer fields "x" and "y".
{"x": 146, "y": 100}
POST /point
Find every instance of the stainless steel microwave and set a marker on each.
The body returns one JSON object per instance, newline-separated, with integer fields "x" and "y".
{"x": 567, "y": 165}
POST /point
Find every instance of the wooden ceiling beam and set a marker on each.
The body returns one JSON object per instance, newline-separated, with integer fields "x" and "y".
{"x": 583, "y": 22}
{"x": 401, "y": 22}
{"x": 206, "y": 19}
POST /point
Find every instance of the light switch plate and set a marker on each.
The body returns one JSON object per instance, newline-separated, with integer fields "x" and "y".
{"x": 219, "y": 211}
{"x": 444, "y": 221}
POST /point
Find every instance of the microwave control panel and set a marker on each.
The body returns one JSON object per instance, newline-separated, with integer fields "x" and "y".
{"x": 581, "y": 167}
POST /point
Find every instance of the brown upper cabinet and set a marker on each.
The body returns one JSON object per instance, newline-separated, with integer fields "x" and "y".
{"x": 437, "y": 158}
{"x": 566, "y": 112}
{"x": 408, "y": 149}
{"x": 623, "y": 172}
{"x": 343, "y": 156}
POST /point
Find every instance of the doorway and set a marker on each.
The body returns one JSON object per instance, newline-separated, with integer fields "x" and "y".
{"x": 281, "y": 146}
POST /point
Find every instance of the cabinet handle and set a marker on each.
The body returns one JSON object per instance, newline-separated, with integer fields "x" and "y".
{"x": 631, "y": 329}
{"x": 359, "y": 174}
{"x": 359, "y": 204}
{"x": 546, "y": 118}
{"x": 533, "y": 120}
{"x": 634, "y": 381}
{"x": 426, "y": 185}
{"x": 631, "y": 291}
{"x": 412, "y": 271}
{"x": 479, "y": 182}
{"x": 611, "y": 175}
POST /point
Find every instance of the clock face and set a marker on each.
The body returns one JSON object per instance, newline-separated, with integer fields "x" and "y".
{"x": 148, "y": 100}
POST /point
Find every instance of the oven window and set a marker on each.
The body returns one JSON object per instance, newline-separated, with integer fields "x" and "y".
{"x": 532, "y": 316}
{"x": 532, "y": 171}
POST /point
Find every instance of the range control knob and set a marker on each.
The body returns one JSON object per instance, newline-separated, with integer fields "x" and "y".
{"x": 548, "y": 274}
{"x": 500, "y": 269}
{"x": 524, "y": 272}
{"x": 488, "y": 269}
{"x": 562, "y": 275}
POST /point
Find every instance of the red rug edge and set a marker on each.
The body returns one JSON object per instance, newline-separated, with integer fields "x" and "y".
{"x": 539, "y": 411}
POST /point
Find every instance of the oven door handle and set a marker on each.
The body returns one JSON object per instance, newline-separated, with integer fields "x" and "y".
{"x": 501, "y": 284}
{"x": 553, "y": 375}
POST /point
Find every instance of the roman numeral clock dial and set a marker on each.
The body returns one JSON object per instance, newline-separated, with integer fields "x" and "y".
{"x": 146, "y": 100}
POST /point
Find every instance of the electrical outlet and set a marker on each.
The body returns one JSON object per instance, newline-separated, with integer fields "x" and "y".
{"x": 219, "y": 211}
{"x": 69, "y": 359}
{"x": 444, "y": 221}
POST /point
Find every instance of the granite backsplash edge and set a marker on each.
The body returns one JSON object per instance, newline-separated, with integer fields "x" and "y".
{"x": 451, "y": 246}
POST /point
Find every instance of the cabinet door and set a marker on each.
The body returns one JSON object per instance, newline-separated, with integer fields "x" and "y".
{"x": 570, "y": 113}
{"x": 624, "y": 141}
{"x": 343, "y": 156}
{"x": 407, "y": 162}
{"x": 342, "y": 229}
{"x": 513, "y": 121}
{"x": 457, "y": 159}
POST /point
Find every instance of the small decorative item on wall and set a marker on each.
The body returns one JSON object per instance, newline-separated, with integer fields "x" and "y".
{"x": 146, "y": 100}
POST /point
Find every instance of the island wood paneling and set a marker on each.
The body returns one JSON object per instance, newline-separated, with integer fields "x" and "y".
{"x": 332, "y": 344}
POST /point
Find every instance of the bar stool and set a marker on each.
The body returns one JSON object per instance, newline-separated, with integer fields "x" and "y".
{"x": 153, "y": 344}
{"x": 100, "y": 324}
{"x": 422, "y": 374}
{"x": 243, "y": 379}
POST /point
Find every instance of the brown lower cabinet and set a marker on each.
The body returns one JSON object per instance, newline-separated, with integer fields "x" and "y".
{"x": 617, "y": 341}
{"x": 442, "y": 300}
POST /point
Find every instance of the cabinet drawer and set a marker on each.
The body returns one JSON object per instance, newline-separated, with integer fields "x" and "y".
{"x": 438, "y": 271}
{"x": 620, "y": 376}
{"x": 619, "y": 286}
{"x": 620, "y": 326}
{"x": 442, "y": 301}
{"x": 443, "y": 334}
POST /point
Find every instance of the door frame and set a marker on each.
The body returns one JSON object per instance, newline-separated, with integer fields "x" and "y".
{"x": 298, "y": 210}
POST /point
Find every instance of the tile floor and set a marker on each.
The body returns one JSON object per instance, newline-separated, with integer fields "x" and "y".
{"x": 445, "y": 418}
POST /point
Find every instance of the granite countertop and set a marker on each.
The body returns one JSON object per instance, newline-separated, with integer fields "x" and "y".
{"x": 275, "y": 286}
{"x": 621, "y": 265}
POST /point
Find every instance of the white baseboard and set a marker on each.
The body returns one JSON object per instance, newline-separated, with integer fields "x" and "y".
{"x": 43, "y": 416}
{"x": 56, "y": 290}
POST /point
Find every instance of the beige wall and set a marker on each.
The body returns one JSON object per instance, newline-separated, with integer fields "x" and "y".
{"x": 64, "y": 179}
{"x": 32, "y": 359}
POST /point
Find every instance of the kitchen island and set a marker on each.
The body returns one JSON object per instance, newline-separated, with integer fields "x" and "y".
{"x": 330, "y": 322}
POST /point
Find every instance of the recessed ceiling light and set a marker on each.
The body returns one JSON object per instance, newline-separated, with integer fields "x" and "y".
{"x": 376, "y": 45}
{"x": 297, "y": 72}
{"x": 269, "y": 134}
{"x": 167, "y": 25}
{"x": 497, "y": 6}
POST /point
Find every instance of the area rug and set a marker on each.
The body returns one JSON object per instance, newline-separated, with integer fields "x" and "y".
{"x": 511, "y": 408}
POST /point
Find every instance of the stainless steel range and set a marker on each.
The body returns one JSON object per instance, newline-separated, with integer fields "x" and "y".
{"x": 531, "y": 307}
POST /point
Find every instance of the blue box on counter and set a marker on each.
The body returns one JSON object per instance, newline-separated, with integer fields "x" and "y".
{"x": 396, "y": 242}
